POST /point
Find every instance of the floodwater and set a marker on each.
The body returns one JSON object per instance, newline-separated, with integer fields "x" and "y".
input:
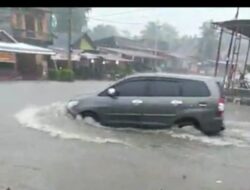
{"x": 53, "y": 119}
{"x": 42, "y": 147}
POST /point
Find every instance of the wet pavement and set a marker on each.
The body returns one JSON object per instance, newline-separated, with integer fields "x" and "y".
{"x": 42, "y": 148}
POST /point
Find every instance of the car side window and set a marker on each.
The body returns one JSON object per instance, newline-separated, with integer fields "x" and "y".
{"x": 132, "y": 88}
{"x": 164, "y": 88}
{"x": 191, "y": 88}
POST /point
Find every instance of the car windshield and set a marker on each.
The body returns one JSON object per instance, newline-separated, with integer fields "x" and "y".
{"x": 124, "y": 98}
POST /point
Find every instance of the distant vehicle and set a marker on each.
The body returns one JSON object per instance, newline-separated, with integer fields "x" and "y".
{"x": 156, "y": 100}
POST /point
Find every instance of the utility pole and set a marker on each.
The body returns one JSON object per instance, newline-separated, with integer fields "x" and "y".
{"x": 231, "y": 67}
{"x": 246, "y": 60}
{"x": 69, "y": 37}
{"x": 229, "y": 49}
{"x": 155, "y": 62}
{"x": 218, "y": 53}
{"x": 228, "y": 57}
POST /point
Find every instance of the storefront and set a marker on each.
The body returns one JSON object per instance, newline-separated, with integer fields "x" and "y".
{"x": 24, "y": 60}
{"x": 8, "y": 67}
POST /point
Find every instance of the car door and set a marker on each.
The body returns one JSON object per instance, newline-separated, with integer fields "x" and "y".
{"x": 125, "y": 108}
{"x": 161, "y": 105}
{"x": 197, "y": 101}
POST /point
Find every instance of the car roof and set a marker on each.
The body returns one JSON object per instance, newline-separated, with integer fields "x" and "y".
{"x": 171, "y": 75}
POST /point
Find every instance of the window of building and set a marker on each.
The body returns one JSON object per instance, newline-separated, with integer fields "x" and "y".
{"x": 40, "y": 25}
{"x": 19, "y": 21}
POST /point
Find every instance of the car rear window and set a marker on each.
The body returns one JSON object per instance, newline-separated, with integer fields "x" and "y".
{"x": 192, "y": 88}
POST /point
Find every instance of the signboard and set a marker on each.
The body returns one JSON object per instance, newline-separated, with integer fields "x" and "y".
{"x": 7, "y": 57}
{"x": 64, "y": 57}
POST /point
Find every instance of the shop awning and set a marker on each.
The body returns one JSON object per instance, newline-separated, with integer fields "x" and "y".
{"x": 107, "y": 57}
{"x": 24, "y": 48}
{"x": 133, "y": 53}
{"x": 90, "y": 55}
{"x": 64, "y": 57}
{"x": 111, "y": 57}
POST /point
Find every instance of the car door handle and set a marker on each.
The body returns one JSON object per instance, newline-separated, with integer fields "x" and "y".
{"x": 202, "y": 104}
{"x": 176, "y": 102}
{"x": 137, "y": 102}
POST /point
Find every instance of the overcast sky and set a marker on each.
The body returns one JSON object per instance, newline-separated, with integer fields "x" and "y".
{"x": 186, "y": 20}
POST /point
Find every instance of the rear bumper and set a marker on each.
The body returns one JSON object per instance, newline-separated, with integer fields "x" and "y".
{"x": 212, "y": 126}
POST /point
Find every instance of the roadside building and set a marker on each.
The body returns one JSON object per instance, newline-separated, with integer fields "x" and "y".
{"x": 28, "y": 25}
{"x": 86, "y": 59}
{"x": 80, "y": 44}
{"x": 145, "y": 55}
{"x": 23, "y": 60}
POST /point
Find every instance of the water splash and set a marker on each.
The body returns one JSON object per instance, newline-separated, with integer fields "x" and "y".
{"x": 53, "y": 120}
{"x": 33, "y": 117}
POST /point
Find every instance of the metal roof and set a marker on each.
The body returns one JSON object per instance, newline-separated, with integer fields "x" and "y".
{"x": 8, "y": 36}
{"x": 126, "y": 43}
{"x": 133, "y": 53}
{"x": 108, "y": 57}
{"x": 242, "y": 26}
{"x": 111, "y": 57}
{"x": 24, "y": 48}
{"x": 90, "y": 55}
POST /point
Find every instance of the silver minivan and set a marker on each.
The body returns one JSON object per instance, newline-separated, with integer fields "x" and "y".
{"x": 156, "y": 100}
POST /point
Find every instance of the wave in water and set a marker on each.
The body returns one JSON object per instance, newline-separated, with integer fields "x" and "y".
{"x": 31, "y": 117}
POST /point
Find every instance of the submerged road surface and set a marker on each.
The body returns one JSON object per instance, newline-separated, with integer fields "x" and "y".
{"x": 41, "y": 148}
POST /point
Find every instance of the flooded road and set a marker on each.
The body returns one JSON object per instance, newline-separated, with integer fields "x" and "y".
{"x": 43, "y": 148}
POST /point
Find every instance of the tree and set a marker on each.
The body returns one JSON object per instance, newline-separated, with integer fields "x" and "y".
{"x": 78, "y": 19}
{"x": 103, "y": 31}
{"x": 208, "y": 42}
{"x": 126, "y": 34}
{"x": 187, "y": 45}
{"x": 151, "y": 30}
{"x": 157, "y": 32}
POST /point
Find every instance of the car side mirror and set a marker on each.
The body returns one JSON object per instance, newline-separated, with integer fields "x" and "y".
{"x": 112, "y": 92}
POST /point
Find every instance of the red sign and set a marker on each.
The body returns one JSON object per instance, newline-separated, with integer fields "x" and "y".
{"x": 7, "y": 57}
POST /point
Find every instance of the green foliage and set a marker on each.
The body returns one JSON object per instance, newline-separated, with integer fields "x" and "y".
{"x": 81, "y": 73}
{"x": 103, "y": 31}
{"x": 78, "y": 16}
{"x": 53, "y": 75}
{"x": 126, "y": 34}
{"x": 208, "y": 42}
{"x": 61, "y": 75}
{"x": 157, "y": 32}
{"x": 120, "y": 72}
{"x": 66, "y": 75}
{"x": 7, "y": 65}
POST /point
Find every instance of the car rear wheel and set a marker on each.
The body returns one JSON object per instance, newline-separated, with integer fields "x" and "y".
{"x": 188, "y": 121}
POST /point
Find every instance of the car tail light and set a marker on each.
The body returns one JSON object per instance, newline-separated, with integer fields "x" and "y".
{"x": 221, "y": 107}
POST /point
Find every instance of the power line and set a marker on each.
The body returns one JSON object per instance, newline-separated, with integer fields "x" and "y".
{"x": 125, "y": 12}
{"x": 104, "y": 20}
{"x": 119, "y": 13}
